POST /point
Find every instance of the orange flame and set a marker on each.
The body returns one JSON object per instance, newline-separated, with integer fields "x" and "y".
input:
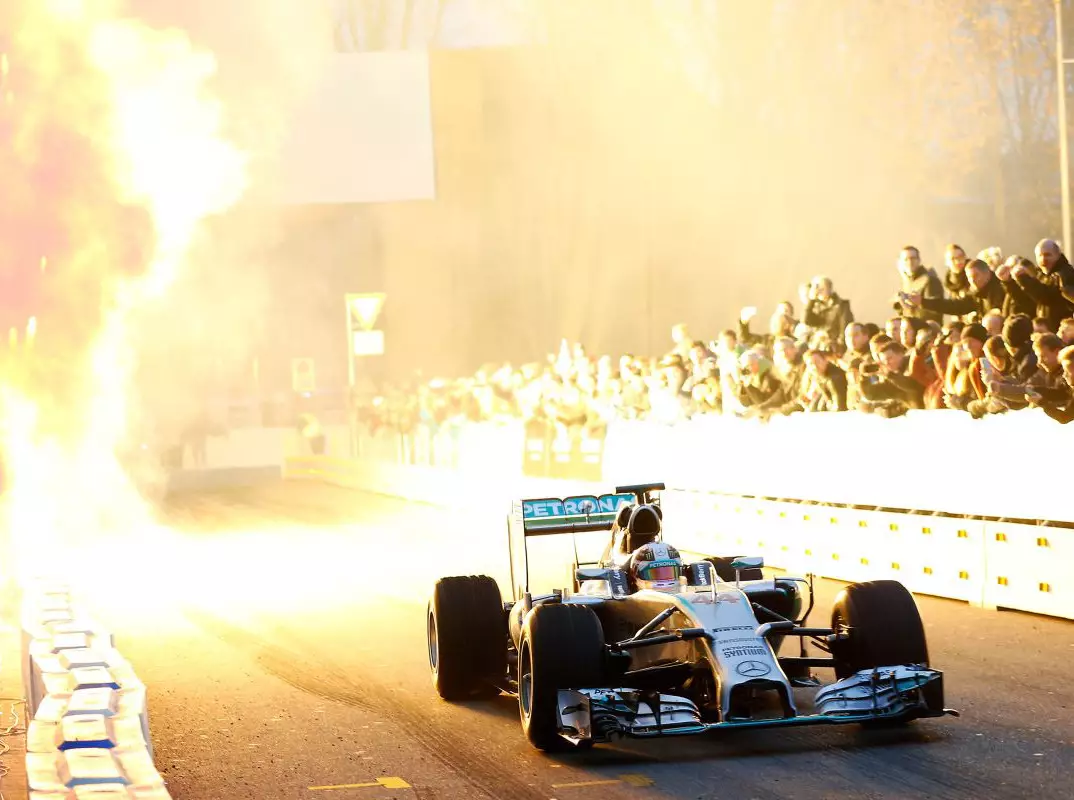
{"x": 132, "y": 101}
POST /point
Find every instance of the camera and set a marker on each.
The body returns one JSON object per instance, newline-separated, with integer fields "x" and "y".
{"x": 870, "y": 373}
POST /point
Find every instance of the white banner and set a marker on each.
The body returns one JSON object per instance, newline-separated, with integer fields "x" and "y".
{"x": 362, "y": 135}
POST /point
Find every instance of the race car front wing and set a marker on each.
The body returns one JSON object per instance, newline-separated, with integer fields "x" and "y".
{"x": 898, "y": 693}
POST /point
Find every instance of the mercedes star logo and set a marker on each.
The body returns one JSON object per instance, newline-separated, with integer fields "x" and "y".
{"x": 752, "y": 669}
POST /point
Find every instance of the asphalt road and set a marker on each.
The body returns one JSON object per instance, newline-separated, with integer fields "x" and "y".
{"x": 281, "y": 633}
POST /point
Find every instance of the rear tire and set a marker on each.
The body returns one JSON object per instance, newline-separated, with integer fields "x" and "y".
{"x": 466, "y": 629}
{"x": 562, "y": 647}
{"x": 884, "y": 627}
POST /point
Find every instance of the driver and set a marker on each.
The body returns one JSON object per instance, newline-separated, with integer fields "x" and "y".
{"x": 656, "y": 566}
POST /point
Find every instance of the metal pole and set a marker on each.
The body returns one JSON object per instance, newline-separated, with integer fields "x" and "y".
{"x": 352, "y": 422}
{"x": 1064, "y": 154}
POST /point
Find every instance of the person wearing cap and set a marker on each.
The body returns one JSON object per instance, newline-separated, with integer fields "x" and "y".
{"x": 1005, "y": 389}
{"x": 1018, "y": 338}
{"x": 974, "y": 337}
{"x": 984, "y": 294}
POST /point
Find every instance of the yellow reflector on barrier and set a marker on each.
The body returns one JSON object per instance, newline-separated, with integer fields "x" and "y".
{"x": 963, "y": 535}
{"x": 862, "y": 523}
{"x": 963, "y": 575}
{"x": 1001, "y": 581}
{"x": 1001, "y": 537}
{"x": 833, "y": 520}
{"x": 864, "y": 562}
{"x": 926, "y": 531}
{"x": 927, "y": 570}
{"x": 895, "y": 565}
{"x": 1045, "y": 587}
{"x": 1043, "y": 542}
{"x": 893, "y": 526}
{"x": 835, "y": 556}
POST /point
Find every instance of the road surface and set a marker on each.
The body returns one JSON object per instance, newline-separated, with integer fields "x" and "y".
{"x": 280, "y": 630}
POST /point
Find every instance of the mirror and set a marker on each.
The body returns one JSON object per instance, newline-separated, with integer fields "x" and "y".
{"x": 592, "y": 574}
{"x": 753, "y": 562}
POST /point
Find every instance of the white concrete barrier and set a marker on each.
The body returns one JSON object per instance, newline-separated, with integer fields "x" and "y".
{"x": 88, "y": 729}
{"x": 1023, "y": 567}
{"x": 1029, "y": 567}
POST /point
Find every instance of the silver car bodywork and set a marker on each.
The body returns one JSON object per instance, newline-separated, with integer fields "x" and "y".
{"x": 709, "y": 630}
{"x": 738, "y": 649}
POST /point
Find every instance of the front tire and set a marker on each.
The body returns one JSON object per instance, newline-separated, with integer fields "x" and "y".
{"x": 562, "y": 647}
{"x": 883, "y": 625}
{"x": 466, "y": 629}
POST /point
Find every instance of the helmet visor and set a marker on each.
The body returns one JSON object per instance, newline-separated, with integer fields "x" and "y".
{"x": 660, "y": 572}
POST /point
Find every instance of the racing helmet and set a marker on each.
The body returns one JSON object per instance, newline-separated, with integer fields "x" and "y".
{"x": 656, "y": 566}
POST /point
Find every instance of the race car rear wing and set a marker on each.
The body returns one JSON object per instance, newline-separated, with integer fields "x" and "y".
{"x": 545, "y": 516}
{"x": 548, "y": 515}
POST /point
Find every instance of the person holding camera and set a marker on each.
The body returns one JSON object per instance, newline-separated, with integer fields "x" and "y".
{"x": 985, "y": 293}
{"x": 825, "y": 310}
{"x": 780, "y": 324}
{"x": 1011, "y": 363}
{"x": 789, "y": 370}
{"x": 830, "y": 383}
{"x": 917, "y": 280}
{"x": 885, "y": 387}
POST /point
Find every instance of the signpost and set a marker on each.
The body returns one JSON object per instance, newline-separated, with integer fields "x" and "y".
{"x": 363, "y": 340}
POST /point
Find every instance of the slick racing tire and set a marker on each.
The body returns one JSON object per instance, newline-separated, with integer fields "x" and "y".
{"x": 466, "y": 629}
{"x": 883, "y": 625}
{"x": 562, "y": 647}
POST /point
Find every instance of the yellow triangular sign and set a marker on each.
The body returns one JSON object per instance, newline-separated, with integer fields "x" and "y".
{"x": 364, "y": 309}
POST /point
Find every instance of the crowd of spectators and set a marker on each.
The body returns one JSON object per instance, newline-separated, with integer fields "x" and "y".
{"x": 989, "y": 336}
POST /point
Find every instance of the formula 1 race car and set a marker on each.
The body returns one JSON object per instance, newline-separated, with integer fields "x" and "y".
{"x": 645, "y": 644}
